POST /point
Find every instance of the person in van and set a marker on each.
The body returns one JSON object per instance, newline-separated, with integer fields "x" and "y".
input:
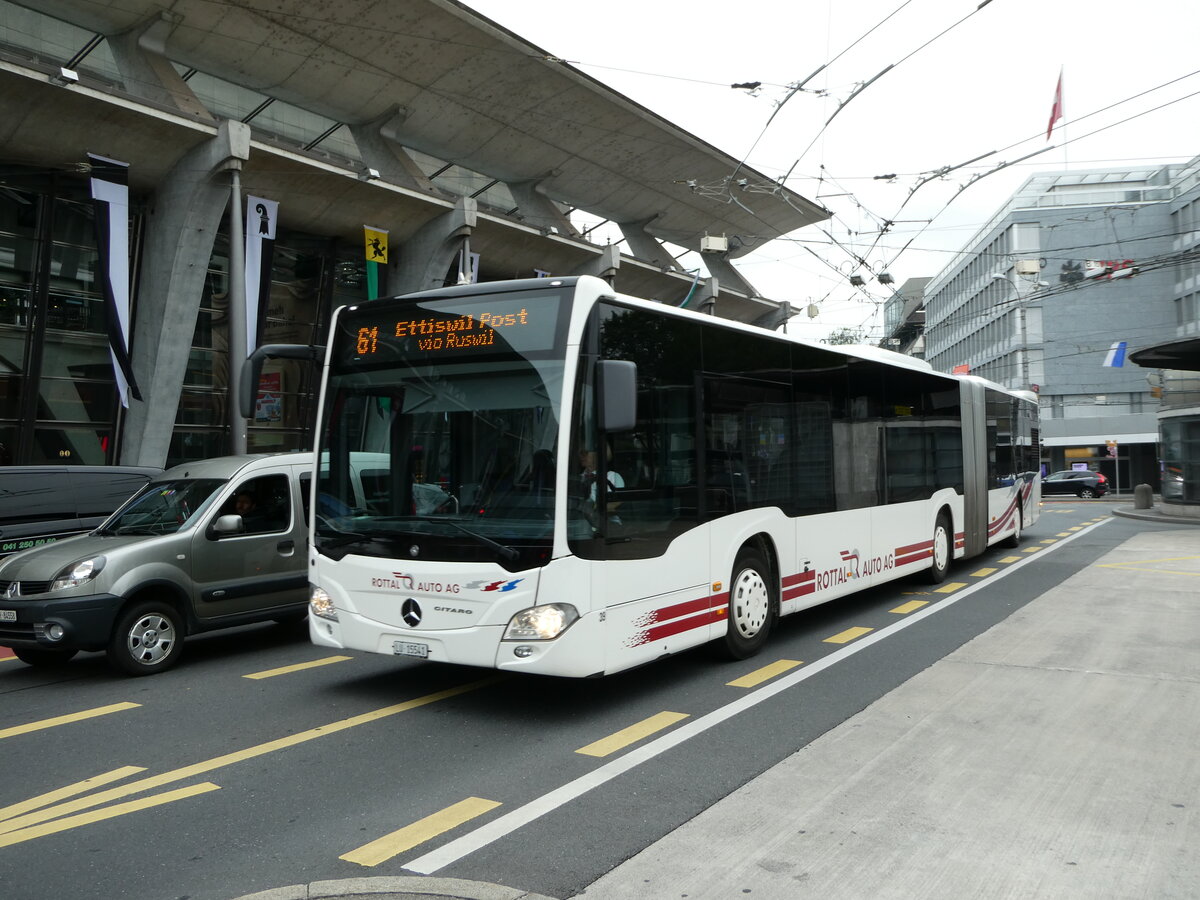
{"x": 254, "y": 520}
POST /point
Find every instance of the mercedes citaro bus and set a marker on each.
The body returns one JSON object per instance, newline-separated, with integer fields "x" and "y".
{"x": 577, "y": 481}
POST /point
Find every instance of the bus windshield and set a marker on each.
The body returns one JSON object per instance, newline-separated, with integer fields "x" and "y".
{"x": 440, "y": 429}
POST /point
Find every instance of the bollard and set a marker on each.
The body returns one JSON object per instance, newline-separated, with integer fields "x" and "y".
{"x": 1143, "y": 497}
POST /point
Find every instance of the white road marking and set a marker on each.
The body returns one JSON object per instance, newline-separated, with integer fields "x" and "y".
{"x": 452, "y": 851}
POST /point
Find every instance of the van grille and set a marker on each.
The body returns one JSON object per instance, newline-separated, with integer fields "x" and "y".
{"x": 24, "y": 589}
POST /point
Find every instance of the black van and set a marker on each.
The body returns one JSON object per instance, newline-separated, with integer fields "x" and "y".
{"x": 40, "y": 504}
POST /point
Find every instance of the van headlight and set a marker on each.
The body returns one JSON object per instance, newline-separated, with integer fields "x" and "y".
{"x": 77, "y": 573}
{"x": 321, "y": 604}
{"x": 541, "y": 623}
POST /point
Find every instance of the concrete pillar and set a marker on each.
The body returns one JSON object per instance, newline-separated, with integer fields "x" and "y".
{"x": 180, "y": 229}
{"x": 381, "y": 149}
{"x": 646, "y": 247}
{"x": 704, "y": 298}
{"x": 720, "y": 267}
{"x": 603, "y": 266}
{"x": 140, "y": 55}
{"x": 423, "y": 260}
{"x": 772, "y": 319}
{"x": 536, "y": 209}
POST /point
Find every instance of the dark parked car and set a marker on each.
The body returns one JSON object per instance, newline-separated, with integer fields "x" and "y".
{"x": 41, "y": 504}
{"x": 1082, "y": 484}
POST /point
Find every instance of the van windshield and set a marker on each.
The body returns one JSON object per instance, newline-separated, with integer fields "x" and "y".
{"x": 163, "y": 507}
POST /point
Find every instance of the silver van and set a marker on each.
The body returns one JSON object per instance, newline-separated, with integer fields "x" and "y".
{"x": 204, "y": 545}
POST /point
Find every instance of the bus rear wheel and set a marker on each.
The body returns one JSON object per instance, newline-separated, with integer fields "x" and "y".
{"x": 941, "y": 551}
{"x": 1014, "y": 539}
{"x": 752, "y": 606}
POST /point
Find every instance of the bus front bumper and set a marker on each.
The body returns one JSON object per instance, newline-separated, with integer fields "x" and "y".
{"x": 576, "y": 653}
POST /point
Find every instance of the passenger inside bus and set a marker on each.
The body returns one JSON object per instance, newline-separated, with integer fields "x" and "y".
{"x": 589, "y": 475}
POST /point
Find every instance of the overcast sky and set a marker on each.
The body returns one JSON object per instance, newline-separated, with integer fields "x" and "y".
{"x": 985, "y": 84}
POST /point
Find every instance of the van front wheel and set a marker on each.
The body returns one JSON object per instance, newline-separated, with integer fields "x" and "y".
{"x": 148, "y": 639}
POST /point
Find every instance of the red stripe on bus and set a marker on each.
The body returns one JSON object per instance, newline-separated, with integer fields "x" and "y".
{"x": 914, "y": 557}
{"x": 684, "y": 609}
{"x": 800, "y": 590}
{"x": 669, "y": 629}
{"x": 911, "y": 548}
{"x": 1001, "y": 523}
{"x": 800, "y": 579}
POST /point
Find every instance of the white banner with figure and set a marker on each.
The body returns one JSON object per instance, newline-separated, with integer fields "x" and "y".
{"x": 260, "y": 251}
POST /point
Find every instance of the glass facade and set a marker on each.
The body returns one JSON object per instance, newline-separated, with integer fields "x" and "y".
{"x": 57, "y": 393}
{"x": 58, "y": 399}
{"x": 1181, "y": 459}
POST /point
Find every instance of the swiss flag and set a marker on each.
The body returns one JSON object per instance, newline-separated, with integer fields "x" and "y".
{"x": 1056, "y": 111}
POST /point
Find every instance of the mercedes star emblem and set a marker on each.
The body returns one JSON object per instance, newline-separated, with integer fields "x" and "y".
{"x": 410, "y": 612}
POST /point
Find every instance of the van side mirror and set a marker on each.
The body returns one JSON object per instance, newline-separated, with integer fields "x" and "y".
{"x": 227, "y": 525}
{"x": 617, "y": 389}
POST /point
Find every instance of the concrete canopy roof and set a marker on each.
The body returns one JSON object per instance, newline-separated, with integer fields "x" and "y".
{"x": 1182, "y": 355}
{"x": 472, "y": 93}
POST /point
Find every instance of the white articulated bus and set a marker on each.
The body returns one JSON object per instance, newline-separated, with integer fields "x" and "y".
{"x": 547, "y": 476}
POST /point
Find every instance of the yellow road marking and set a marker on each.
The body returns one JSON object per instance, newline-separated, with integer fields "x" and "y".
{"x": 1076, "y": 528}
{"x": 631, "y": 735}
{"x": 1011, "y": 559}
{"x": 1031, "y": 549}
{"x": 1063, "y": 534}
{"x": 1050, "y": 541}
{"x": 848, "y": 635}
{"x": 287, "y": 670}
{"x": 908, "y": 607}
{"x": 950, "y": 588}
{"x": 1140, "y": 565}
{"x": 99, "y": 815}
{"x": 70, "y": 790}
{"x": 1142, "y": 562}
{"x": 1130, "y": 568}
{"x": 226, "y": 759}
{"x": 983, "y": 573}
{"x": 766, "y": 673}
{"x": 419, "y": 832}
{"x": 67, "y": 719}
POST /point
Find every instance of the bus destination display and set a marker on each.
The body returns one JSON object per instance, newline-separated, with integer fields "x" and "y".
{"x": 455, "y": 329}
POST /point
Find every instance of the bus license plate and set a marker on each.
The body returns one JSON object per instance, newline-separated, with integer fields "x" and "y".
{"x": 405, "y": 648}
{"x": 8, "y": 615}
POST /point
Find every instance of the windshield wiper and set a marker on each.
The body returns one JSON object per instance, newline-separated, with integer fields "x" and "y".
{"x": 507, "y": 552}
{"x": 343, "y": 538}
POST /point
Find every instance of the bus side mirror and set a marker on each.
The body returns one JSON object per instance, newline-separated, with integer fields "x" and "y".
{"x": 617, "y": 386}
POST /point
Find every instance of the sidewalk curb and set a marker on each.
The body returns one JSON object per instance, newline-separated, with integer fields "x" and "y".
{"x": 415, "y": 887}
{"x": 1154, "y": 515}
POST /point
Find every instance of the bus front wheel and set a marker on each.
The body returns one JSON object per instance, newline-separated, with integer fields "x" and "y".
{"x": 752, "y": 606}
{"x": 942, "y": 550}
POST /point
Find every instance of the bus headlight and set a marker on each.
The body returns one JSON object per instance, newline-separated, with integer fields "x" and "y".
{"x": 78, "y": 573}
{"x": 321, "y": 604}
{"x": 541, "y": 623}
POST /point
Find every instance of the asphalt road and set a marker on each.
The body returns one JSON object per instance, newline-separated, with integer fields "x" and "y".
{"x": 265, "y": 761}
